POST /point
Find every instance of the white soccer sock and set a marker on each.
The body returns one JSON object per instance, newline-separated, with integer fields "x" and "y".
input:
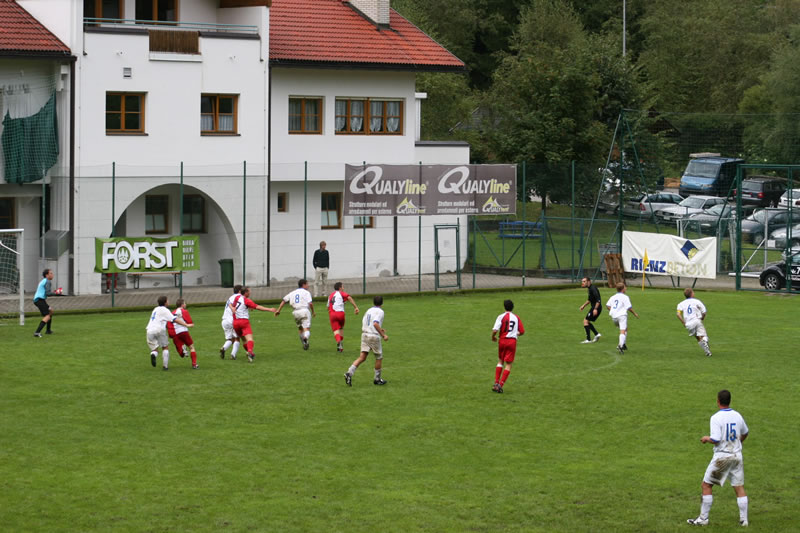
{"x": 705, "y": 506}
{"x": 307, "y": 334}
{"x": 235, "y": 348}
{"x": 352, "y": 369}
{"x": 704, "y": 346}
{"x": 742, "y": 503}
{"x": 622, "y": 338}
{"x": 378, "y": 374}
{"x": 227, "y": 345}
{"x": 165, "y": 357}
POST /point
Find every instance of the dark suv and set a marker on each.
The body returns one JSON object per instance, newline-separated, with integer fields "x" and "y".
{"x": 762, "y": 191}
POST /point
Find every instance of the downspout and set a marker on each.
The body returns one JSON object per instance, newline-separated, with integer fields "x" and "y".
{"x": 269, "y": 167}
{"x": 71, "y": 261}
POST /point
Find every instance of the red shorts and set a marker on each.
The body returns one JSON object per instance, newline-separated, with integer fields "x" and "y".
{"x": 184, "y": 338}
{"x": 506, "y": 350}
{"x": 242, "y": 327}
{"x": 337, "y": 319}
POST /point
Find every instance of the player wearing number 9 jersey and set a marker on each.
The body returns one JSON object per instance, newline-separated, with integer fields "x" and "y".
{"x": 691, "y": 313}
{"x": 508, "y": 326}
{"x": 727, "y": 432}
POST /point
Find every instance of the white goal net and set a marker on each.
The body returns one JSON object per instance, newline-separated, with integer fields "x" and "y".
{"x": 12, "y": 280}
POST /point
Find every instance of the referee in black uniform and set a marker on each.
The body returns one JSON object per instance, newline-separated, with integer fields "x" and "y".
{"x": 595, "y": 308}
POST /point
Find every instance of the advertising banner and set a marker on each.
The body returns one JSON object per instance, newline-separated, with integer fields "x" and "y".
{"x": 669, "y": 255}
{"x": 389, "y": 190}
{"x": 147, "y": 254}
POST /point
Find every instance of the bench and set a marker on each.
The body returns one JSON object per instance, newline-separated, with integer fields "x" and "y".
{"x": 514, "y": 229}
{"x": 136, "y": 276}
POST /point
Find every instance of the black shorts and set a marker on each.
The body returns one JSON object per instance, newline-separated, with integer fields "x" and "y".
{"x": 42, "y": 306}
{"x": 592, "y": 317}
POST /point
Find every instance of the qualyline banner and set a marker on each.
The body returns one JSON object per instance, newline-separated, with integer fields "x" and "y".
{"x": 388, "y": 190}
{"x": 669, "y": 255}
{"x": 147, "y": 254}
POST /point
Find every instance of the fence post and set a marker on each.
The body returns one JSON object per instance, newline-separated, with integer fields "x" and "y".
{"x": 474, "y": 247}
{"x": 305, "y": 219}
{"x": 524, "y": 215}
{"x": 364, "y": 245}
{"x": 572, "y": 222}
{"x": 180, "y": 227}
{"x": 113, "y": 218}
{"x": 244, "y": 221}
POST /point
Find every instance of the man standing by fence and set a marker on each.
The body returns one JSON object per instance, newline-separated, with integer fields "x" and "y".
{"x": 321, "y": 263}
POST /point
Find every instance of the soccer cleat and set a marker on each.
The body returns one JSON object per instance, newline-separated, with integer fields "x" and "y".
{"x": 697, "y": 521}
{"x": 744, "y": 523}
{"x": 348, "y": 378}
{"x": 587, "y": 341}
{"x": 195, "y": 367}
{"x": 165, "y": 368}
{"x": 708, "y": 354}
{"x": 37, "y": 334}
{"x": 153, "y": 359}
{"x": 499, "y": 389}
{"x": 596, "y": 337}
{"x": 49, "y": 332}
{"x": 305, "y": 344}
{"x": 379, "y": 381}
{"x": 250, "y": 357}
{"x": 222, "y": 353}
{"x": 495, "y": 387}
{"x": 621, "y": 349}
{"x": 233, "y": 357}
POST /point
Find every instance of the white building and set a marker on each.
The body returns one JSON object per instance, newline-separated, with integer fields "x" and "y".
{"x": 284, "y": 86}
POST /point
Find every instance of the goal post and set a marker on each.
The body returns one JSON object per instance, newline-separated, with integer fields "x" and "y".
{"x": 12, "y": 275}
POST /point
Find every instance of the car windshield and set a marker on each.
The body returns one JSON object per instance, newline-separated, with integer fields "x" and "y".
{"x": 702, "y": 169}
{"x": 717, "y": 209}
{"x": 752, "y": 185}
{"x": 764, "y": 214}
{"x": 692, "y": 201}
{"x": 791, "y": 193}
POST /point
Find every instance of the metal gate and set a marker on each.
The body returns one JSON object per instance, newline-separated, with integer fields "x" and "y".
{"x": 447, "y": 248}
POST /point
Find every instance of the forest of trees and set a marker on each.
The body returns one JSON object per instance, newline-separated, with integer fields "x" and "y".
{"x": 546, "y": 80}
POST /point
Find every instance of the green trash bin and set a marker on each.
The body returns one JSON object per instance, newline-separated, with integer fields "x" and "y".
{"x": 226, "y": 272}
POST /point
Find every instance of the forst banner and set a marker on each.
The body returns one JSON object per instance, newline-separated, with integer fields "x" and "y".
{"x": 669, "y": 255}
{"x": 388, "y": 190}
{"x": 147, "y": 254}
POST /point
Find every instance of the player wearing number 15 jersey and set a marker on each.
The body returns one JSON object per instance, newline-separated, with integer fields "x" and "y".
{"x": 691, "y": 313}
{"x": 508, "y": 326}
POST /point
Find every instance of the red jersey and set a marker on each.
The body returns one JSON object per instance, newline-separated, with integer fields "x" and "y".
{"x": 508, "y": 325}
{"x": 242, "y": 307}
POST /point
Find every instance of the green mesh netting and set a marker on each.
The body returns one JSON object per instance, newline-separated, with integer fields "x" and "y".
{"x": 30, "y": 144}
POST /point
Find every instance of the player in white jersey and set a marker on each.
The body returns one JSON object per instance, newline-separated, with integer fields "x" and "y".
{"x": 728, "y": 432}
{"x": 691, "y": 312}
{"x": 371, "y": 334}
{"x": 301, "y": 301}
{"x": 618, "y": 307}
{"x": 231, "y": 339}
{"x": 157, "y": 331}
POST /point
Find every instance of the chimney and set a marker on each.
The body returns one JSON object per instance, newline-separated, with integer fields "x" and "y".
{"x": 375, "y": 10}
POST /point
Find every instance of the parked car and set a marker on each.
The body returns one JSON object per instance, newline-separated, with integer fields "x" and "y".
{"x": 792, "y": 195}
{"x": 707, "y": 221}
{"x": 689, "y": 206}
{"x": 645, "y": 205}
{"x": 779, "y": 236}
{"x": 773, "y": 278}
{"x": 709, "y": 175}
{"x": 763, "y": 191}
{"x": 765, "y": 221}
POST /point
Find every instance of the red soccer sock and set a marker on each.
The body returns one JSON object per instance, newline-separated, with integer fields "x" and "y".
{"x": 194, "y": 357}
{"x": 338, "y": 337}
{"x": 505, "y": 377}
{"x": 249, "y": 346}
{"x": 497, "y": 371}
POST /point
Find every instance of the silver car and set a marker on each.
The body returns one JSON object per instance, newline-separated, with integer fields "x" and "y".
{"x": 645, "y": 205}
{"x": 779, "y": 236}
{"x": 689, "y": 206}
{"x": 708, "y": 220}
{"x": 794, "y": 195}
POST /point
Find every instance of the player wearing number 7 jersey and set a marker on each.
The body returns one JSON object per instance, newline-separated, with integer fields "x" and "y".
{"x": 728, "y": 432}
{"x": 509, "y": 327}
{"x": 691, "y": 313}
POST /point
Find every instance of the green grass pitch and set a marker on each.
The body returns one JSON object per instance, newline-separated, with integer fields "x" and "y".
{"x": 92, "y": 438}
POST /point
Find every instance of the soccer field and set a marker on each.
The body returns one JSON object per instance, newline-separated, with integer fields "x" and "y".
{"x": 93, "y": 438}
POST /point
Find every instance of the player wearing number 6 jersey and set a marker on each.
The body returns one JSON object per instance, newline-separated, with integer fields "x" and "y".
{"x": 691, "y": 313}
{"x": 509, "y": 327}
{"x": 300, "y": 300}
{"x": 728, "y": 432}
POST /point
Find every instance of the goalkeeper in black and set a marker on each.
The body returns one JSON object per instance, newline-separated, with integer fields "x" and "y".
{"x": 595, "y": 307}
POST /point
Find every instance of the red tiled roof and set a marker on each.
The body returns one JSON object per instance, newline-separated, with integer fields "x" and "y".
{"x": 331, "y": 32}
{"x": 21, "y": 34}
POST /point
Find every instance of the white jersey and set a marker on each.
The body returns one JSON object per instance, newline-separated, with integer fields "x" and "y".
{"x": 242, "y": 311}
{"x": 727, "y": 429}
{"x": 179, "y": 328}
{"x": 298, "y": 299}
{"x": 692, "y": 309}
{"x": 158, "y": 319}
{"x": 508, "y": 324}
{"x": 373, "y": 314}
{"x": 227, "y": 314}
{"x": 337, "y": 302}
{"x": 619, "y": 305}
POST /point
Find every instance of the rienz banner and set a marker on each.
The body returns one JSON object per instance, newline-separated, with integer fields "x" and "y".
{"x": 669, "y": 255}
{"x": 388, "y": 190}
{"x": 147, "y": 254}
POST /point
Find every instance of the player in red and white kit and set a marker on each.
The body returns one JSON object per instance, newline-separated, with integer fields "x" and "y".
{"x": 240, "y": 307}
{"x": 509, "y": 326}
{"x": 336, "y": 314}
{"x": 180, "y": 334}
{"x": 227, "y": 326}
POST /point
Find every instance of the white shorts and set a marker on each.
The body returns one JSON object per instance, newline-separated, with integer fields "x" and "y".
{"x": 621, "y": 322}
{"x": 373, "y": 343}
{"x": 157, "y": 340}
{"x": 696, "y": 328}
{"x": 227, "y": 328}
{"x": 302, "y": 317}
{"x": 724, "y": 466}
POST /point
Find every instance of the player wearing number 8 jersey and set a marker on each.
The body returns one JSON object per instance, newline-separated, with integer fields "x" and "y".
{"x": 300, "y": 300}
{"x": 728, "y": 431}
{"x": 509, "y": 327}
{"x": 691, "y": 313}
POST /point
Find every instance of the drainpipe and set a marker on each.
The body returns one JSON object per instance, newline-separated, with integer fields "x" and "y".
{"x": 71, "y": 261}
